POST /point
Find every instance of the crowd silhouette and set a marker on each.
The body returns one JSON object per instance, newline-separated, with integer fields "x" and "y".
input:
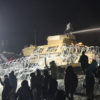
{"x": 44, "y": 86}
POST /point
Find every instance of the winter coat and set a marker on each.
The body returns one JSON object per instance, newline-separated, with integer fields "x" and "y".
{"x": 24, "y": 93}
{"x": 71, "y": 81}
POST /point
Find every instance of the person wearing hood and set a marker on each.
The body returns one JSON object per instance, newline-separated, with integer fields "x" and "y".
{"x": 24, "y": 92}
{"x": 90, "y": 80}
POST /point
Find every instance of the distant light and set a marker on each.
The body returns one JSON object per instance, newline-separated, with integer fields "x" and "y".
{"x": 86, "y": 30}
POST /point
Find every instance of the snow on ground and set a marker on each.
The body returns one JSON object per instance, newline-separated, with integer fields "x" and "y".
{"x": 80, "y": 92}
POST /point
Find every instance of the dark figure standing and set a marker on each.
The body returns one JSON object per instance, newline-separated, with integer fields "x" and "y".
{"x": 90, "y": 86}
{"x": 53, "y": 68}
{"x": 13, "y": 84}
{"x": 6, "y": 88}
{"x": 84, "y": 62}
{"x": 71, "y": 82}
{"x": 90, "y": 81}
{"x": 33, "y": 85}
{"x": 24, "y": 92}
{"x": 53, "y": 89}
{"x": 46, "y": 84}
{"x": 92, "y": 67}
{"x": 97, "y": 74}
{"x": 54, "y": 93}
{"x": 60, "y": 95}
{"x": 39, "y": 82}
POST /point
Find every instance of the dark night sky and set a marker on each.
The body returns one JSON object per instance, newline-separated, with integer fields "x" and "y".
{"x": 20, "y": 19}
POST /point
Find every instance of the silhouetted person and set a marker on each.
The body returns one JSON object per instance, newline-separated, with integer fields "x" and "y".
{"x": 53, "y": 89}
{"x": 84, "y": 62}
{"x": 71, "y": 82}
{"x": 24, "y": 92}
{"x": 53, "y": 68}
{"x": 97, "y": 74}
{"x": 92, "y": 67}
{"x": 60, "y": 95}
{"x": 6, "y": 88}
{"x": 46, "y": 84}
{"x": 39, "y": 83}
{"x": 33, "y": 83}
{"x": 90, "y": 86}
{"x": 90, "y": 81}
{"x": 13, "y": 84}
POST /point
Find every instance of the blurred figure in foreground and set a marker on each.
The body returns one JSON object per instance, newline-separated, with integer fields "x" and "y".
{"x": 6, "y": 88}
{"x": 24, "y": 92}
{"x": 33, "y": 82}
{"x": 53, "y": 68}
{"x": 71, "y": 82}
{"x": 53, "y": 89}
{"x": 60, "y": 95}
{"x": 13, "y": 84}
{"x": 90, "y": 86}
{"x": 90, "y": 81}
{"x": 46, "y": 84}
{"x": 39, "y": 82}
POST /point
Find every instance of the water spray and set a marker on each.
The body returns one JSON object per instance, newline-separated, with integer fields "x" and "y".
{"x": 86, "y": 30}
